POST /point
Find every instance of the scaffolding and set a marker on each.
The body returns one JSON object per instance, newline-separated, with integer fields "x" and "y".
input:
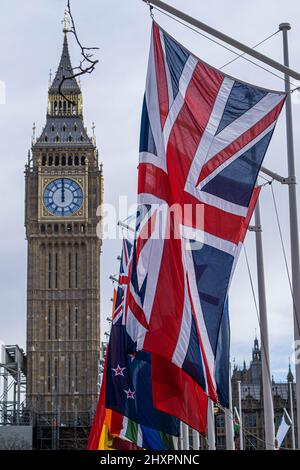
{"x": 55, "y": 430}
{"x": 13, "y": 410}
{"x": 61, "y": 431}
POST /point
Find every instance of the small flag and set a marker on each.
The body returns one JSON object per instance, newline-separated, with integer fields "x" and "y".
{"x": 145, "y": 437}
{"x": 129, "y": 384}
{"x": 282, "y": 430}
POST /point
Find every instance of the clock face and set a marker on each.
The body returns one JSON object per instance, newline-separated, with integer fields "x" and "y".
{"x": 63, "y": 197}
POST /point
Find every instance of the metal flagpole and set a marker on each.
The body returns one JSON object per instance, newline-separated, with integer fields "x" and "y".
{"x": 229, "y": 419}
{"x": 211, "y": 437}
{"x": 295, "y": 256}
{"x": 180, "y": 440}
{"x": 240, "y": 416}
{"x": 176, "y": 443}
{"x": 185, "y": 437}
{"x": 292, "y": 414}
{"x": 266, "y": 374}
{"x": 196, "y": 440}
{"x": 223, "y": 37}
{"x": 294, "y": 231}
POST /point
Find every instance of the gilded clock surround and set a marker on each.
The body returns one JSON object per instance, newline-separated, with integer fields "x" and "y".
{"x": 81, "y": 180}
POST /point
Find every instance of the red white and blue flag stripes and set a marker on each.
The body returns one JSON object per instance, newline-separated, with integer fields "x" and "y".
{"x": 126, "y": 418}
{"x": 128, "y": 386}
{"x": 203, "y": 139}
{"x": 123, "y": 280}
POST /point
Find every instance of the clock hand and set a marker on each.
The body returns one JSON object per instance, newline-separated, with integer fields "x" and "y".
{"x": 63, "y": 191}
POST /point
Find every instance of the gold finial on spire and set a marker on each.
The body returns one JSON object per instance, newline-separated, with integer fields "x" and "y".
{"x": 65, "y": 22}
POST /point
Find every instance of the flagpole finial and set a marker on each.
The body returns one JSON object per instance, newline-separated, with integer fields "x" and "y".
{"x": 151, "y": 10}
{"x": 284, "y": 26}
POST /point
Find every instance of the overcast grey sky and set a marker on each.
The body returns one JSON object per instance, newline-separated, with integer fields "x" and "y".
{"x": 30, "y": 44}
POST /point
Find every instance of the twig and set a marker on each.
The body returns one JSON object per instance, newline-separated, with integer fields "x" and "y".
{"x": 87, "y": 64}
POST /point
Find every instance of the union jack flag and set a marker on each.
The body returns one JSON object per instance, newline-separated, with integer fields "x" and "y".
{"x": 203, "y": 139}
{"x": 125, "y": 410}
{"x": 122, "y": 281}
{"x": 128, "y": 375}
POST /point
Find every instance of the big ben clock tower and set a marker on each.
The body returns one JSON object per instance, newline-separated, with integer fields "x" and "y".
{"x": 64, "y": 188}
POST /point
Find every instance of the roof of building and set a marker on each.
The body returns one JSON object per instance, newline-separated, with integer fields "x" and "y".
{"x": 64, "y": 130}
{"x": 64, "y": 70}
{"x": 255, "y": 390}
{"x": 251, "y": 378}
{"x": 290, "y": 377}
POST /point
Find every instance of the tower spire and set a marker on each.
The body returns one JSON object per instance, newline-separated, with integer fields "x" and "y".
{"x": 65, "y": 70}
{"x": 65, "y": 22}
{"x": 64, "y": 114}
{"x": 290, "y": 377}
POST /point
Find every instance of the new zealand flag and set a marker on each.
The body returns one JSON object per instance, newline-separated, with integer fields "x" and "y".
{"x": 128, "y": 376}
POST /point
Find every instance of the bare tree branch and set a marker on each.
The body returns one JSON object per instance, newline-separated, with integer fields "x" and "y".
{"x": 87, "y": 63}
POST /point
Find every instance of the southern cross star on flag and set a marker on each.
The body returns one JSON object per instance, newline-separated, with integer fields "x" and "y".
{"x": 125, "y": 412}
